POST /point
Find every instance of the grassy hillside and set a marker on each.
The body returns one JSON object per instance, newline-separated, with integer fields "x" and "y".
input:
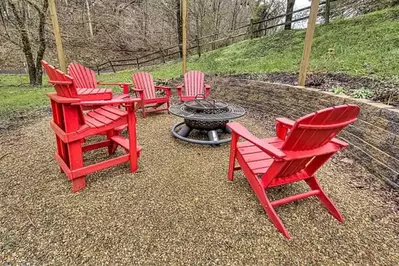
{"x": 365, "y": 45}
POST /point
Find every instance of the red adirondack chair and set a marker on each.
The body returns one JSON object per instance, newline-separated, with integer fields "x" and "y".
{"x": 87, "y": 84}
{"x": 147, "y": 91}
{"x": 71, "y": 127}
{"x": 291, "y": 157}
{"x": 194, "y": 87}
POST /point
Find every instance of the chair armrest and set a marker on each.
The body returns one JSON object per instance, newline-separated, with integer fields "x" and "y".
{"x": 110, "y": 102}
{"x": 163, "y": 88}
{"x": 57, "y": 82}
{"x": 167, "y": 90}
{"x": 207, "y": 90}
{"x": 282, "y": 127}
{"x": 238, "y": 129}
{"x": 285, "y": 121}
{"x": 114, "y": 83}
{"x": 59, "y": 99}
{"x": 339, "y": 142}
{"x": 139, "y": 93}
{"x": 123, "y": 85}
{"x": 179, "y": 90}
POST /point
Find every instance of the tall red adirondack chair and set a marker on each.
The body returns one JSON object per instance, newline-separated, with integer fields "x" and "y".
{"x": 87, "y": 84}
{"x": 147, "y": 91}
{"x": 194, "y": 87}
{"x": 71, "y": 127}
{"x": 291, "y": 157}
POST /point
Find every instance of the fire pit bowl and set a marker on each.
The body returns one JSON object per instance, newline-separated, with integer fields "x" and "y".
{"x": 208, "y": 116}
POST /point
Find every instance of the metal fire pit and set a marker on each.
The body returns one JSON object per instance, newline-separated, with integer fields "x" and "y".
{"x": 207, "y": 116}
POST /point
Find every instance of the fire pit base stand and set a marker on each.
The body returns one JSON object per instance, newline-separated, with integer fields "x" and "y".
{"x": 181, "y": 131}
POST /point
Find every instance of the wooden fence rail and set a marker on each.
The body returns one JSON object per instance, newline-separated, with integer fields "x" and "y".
{"x": 173, "y": 52}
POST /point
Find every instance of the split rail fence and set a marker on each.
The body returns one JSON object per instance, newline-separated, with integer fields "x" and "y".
{"x": 202, "y": 44}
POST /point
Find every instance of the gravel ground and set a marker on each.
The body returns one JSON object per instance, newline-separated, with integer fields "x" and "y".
{"x": 179, "y": 209}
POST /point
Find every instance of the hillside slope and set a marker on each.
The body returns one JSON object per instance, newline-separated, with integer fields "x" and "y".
{"x": 365, "y": 45}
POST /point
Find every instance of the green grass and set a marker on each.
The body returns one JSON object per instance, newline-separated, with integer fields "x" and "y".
{"x": 17, "y": 95}
{"x": 362, "y": 46}
{"x": 365, "y": 45}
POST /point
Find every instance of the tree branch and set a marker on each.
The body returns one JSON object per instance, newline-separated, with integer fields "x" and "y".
{"x": 36, "y": 6}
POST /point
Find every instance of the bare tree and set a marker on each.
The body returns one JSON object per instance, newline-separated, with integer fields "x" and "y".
{"x": 21, "y": 30}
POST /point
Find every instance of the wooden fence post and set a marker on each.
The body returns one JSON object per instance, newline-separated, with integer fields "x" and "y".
{"x": 327, "y": 12}
{"x": 137, "y": 62}
{"x": 198, "y": 46}
{"x": 163, "y": 56}
{"x": 112, "y": 66}
{"x": 251, "y": 28}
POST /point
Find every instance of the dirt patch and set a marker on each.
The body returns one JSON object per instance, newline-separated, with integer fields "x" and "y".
{"x": 179, "y": 208}
{"x": 384, "y": 91}
{"x": 17, "y": 119}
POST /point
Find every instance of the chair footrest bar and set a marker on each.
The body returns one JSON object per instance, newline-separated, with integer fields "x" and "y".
{"x": 120, "y": 128}
{"x": 94, "y": 146}
{"x": 237, "y": 168}
{"x": 124, "y": 142}
{"x": 295, "y": 197}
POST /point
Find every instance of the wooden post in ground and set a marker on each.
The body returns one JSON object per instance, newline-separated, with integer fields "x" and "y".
{"x": 57, "y": 35}
{"x": 184, "y": 34}
{"x": 251, "y": 28}
{"x": 198, "y": 45}
{"x": 327, "y": 13}
{"x": 308, "y": 41}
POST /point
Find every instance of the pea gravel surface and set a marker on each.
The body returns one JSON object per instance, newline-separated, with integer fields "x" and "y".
{"x": 179, "y": 208}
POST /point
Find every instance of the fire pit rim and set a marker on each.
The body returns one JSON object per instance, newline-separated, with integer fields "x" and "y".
{"x": 234, "y": 111}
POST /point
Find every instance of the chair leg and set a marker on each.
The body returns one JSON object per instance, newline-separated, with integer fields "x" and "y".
{"x": 132, "y": 140}
{"x": 143, "y": 108}
{"x": 267, "y": 206}
{"x": 168, "y": 105}
{"x": 332, "y": 209}
{"x": 232, "y": 159}
{"x": 112, "y": 145}
{"x": 75, "y": 162}
{"x": 78, "y": 184}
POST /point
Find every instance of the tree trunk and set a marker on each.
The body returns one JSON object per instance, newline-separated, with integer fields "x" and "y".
{"x": 179, "y": 27}
{"x": 89, "y": 18}
{"x": 42, "y": 44}
{"x": 327, "y": 12}
{"x": 288, "y": 17}
{"x": 26, "y": 44}
{"x": 34, "y": 66}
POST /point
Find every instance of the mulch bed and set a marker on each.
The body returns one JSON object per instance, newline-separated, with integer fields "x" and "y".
{"x": 180, "y": 209}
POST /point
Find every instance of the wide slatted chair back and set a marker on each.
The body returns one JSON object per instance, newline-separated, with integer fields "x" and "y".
{"x": 144, "y": 81}
{"x": 194, "y": 83}
{"x": 63, "y": 84}
{"x": 312, "y": 132}
{"x": 66, "y": 117}
{"x": 84, "y": 77}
